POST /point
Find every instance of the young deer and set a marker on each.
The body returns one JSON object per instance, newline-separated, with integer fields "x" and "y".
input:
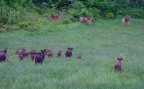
{"x": 59, "y": 53}
{"x": 53, "y": 17}
{"x": 126, "y": 20}
{"x": 79, "y": 56}
{"x": 118, "y": 64}
{"x": 88, "y": 20}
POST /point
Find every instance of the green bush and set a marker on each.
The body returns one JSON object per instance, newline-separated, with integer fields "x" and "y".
{"x": 95, "y": 12}
{"x": 66, "y": 18}
{"x": 25, "y": 14}
{"x": 136, "y": 12}
{"x": 109, "y": 15}
{"x": 2, "y": 27}
{"x": 23, "y": 25}
{"x": 4, "y": 19}
{"x": 13, "y": 27}
{"x": 4, "y": 12}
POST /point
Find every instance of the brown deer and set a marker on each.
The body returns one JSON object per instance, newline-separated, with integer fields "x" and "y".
{"x": 126, "y": 20}
{"x": 118, "y": 64}
{"x": 79, "y": 56}
{"x": 88, "y": 20}
{"x": 53, "y": 17}
{"x": 59, "y": 53}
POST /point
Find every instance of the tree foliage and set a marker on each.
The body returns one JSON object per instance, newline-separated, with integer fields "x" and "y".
{"x": 21, "y": 11}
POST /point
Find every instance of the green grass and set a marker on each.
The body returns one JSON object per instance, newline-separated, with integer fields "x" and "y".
{"x": 101, "y": 44}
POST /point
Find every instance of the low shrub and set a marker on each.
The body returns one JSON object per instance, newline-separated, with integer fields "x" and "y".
{"x": 4, "y": 19}
{"x": 109, "y": 15}
{"x": 13, "y": 27}
{"x": 136, "y": 12}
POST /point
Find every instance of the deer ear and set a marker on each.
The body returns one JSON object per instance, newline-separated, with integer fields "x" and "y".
{"x": 68, "y": 48}
{"x": 120, "y": 58}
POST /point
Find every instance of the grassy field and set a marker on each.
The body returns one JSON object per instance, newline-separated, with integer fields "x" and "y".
{"x": 101, "y": 44}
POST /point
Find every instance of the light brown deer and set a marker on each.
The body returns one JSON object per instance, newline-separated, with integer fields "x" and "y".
{"x": 88, "y": 20}
{"x": 53, "y": 17}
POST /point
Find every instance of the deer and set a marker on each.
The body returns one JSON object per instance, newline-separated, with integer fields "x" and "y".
{"x": 32, "y": 54}
{"x": 2, "y": 56}
{"x": 118, "y": 65}
{"x": 68, "y": 53}
{"x": 49, "y": 53}
{"x": 53, "y": 17}
{"x": 59, "y": 53}
{"x": 126, "y": 20}
{"x": 88, "y": 20}
{"x": 79, "y": 56}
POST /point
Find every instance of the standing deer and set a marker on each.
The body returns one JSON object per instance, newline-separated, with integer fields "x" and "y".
{"x": 118, "y": 64}
{"x": 53, "y": 17}
{"x": 126, "y": 20}
{"x": 2, "y": 56}
{"x": 59, "y": 53}
{"x": 68, "y": 53}
{"x": 32, "y": 54}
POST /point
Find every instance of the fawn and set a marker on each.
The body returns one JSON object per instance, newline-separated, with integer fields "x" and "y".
{"x": 118, "y": 64}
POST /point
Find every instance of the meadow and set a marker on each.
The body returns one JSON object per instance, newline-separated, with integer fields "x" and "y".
{"x": 101, "y": 44}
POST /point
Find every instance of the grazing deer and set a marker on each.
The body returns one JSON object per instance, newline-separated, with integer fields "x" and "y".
{"x": 49, "y": 53}
{"x": 118, "y": 64}
{"x": 59, "y": 53}
{"x": 126, "y": 20}
{"x": 88, "y": 20}
{"x": 53, "y": 17}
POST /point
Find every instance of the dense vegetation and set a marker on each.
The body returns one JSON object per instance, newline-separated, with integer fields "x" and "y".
{"x": 31, "y": 14}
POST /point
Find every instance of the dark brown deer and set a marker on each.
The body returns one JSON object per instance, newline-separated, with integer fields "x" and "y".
{"x": 39, "y": 58}
{"x": 2, "y": 56}
{"x": 126, "y": 20}
{"x": 68, "y": 53}
{"x": 118, "y": 65}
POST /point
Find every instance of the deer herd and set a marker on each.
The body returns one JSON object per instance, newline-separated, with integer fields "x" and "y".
{"x": 39, "y": 56}
{"x": 84, "y": 19}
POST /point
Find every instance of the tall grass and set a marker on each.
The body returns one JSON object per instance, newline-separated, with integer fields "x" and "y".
{"x": 101, "y": 44}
